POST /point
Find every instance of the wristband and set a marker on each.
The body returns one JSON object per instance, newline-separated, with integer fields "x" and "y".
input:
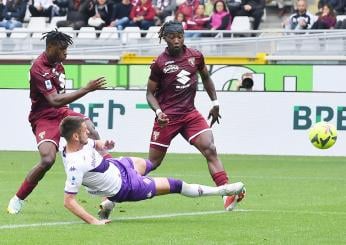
{"x": 215, "y": 102}
{"x": 158, "y": 111}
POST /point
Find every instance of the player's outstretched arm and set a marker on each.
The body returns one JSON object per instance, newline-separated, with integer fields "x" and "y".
{"x": 57, "y": 100}
{"x": 104, "y": 145}
{"x": 71, "y": 204}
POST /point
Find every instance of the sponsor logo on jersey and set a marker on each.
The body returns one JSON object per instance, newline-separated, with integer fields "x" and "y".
{"x": 183, "y": 78}
{"x": 192, "y": 61}
{"x": 170, "y": 69}
{"x": 169, "y": 62}
{"x": 48, "y": 84}
{"x": 42, "y": 134}
{"x": 45, "y": 74}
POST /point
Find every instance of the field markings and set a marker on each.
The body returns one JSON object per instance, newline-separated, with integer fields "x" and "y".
{"x": 172, "y": 215}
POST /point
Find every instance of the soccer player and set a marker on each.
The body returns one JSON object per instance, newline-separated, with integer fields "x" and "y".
{"x": 171, "y": 92}
{"x": 48, "y": 107}
{"x": 117, "y": 179}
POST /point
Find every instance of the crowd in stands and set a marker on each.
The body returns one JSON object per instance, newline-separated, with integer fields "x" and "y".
{"x": 194, "y": 14}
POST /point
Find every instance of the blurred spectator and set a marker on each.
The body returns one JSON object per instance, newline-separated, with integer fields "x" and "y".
{"x": 180, "y": 17}
{"x": 163, "y": 9}
{"x": 13, "y": 14}
{"x": 77, "y": 14}
{"x": 246, "y": 82}
{"x": 209, "y": 6}
{"x": 326, "y": 20}
{"x": 121, "y": 14}
{"x": 251, "y": 8}
{"x": 341, "y": 8}
{"x": 101, "y": 14}
{"x": 43, "y": 8}
{"x": 283, "y": 7}
{"x": 199, "y": 21}
{"x": 220, "y": 19}
{"x": 333, "y": 3}
{"x": 142, "y": 15}
{"x": 302, "y": 19}
{"x": 188, "y": 8}
{"x": 2, "y": 6}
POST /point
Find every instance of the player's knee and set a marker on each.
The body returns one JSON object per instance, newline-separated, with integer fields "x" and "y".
{"x": 210, "y": 149}
{"x": 47, "y": 162}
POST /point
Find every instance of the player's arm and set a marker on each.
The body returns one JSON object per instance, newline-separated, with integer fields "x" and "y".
{"x": 210, "y": 88}
{"x": 74, "y": 207}
{"x": 162, "y": 118}
{"x": 104, "y": 145}
{"x": 57, "y": 100}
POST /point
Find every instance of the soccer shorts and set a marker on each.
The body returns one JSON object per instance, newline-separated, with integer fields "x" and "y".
{"x": 134, "y": 187}
{"x": 189, "y": 126}
{"x": 47, "y": 129}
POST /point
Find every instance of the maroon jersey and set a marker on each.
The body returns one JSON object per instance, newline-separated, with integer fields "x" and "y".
{"x": 45, "y": 78}
{"x": 177, "y": 80}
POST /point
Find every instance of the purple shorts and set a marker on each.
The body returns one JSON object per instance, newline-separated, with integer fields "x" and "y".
{"x": 134, "y": 187}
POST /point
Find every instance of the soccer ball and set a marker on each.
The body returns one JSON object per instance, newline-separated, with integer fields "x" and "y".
{"x": 323, "y": 135}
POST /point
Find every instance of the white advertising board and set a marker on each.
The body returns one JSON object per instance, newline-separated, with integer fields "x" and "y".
{"x": 252, "y": 122}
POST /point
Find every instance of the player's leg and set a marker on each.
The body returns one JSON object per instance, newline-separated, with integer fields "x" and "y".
{"x": 169, "y": 185}
{"x": 47, "y": 152}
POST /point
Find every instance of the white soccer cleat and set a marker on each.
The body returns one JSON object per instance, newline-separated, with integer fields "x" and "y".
{"x": 15, "y": 205}
{"x": 106, "y": 208}
{"x": 230, "y": 202}
{"x": 232, "y": 189}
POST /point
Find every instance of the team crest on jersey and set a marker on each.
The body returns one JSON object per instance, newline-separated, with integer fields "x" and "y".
{"x": 191, "y": 61}
{"x": 48, "y": 84}
{"x": 42, "y": 134}
{"x": 156, "y": 135}
{"x": 170, "y": 69}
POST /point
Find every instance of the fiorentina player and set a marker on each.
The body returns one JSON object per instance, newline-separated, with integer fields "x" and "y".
{"x": 117, "y": 179}
{"x": 171, "y": 91}
{"x": 48, "y": 107}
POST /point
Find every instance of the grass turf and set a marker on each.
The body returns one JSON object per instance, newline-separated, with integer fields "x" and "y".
{"x": 290, "y": 200}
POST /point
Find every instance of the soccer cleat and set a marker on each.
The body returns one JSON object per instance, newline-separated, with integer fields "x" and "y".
{"x": 15, "y": 205}
{"x": 106, "y": 208}
{"x": 232, "y": 189}
{"x": 230, "y": 202}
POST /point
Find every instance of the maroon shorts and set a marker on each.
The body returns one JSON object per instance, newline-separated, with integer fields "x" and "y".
{"x": 189, "y": 126}
{"x": 48, "y": 129}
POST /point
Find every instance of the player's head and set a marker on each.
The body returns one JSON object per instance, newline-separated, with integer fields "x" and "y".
{"x": 173, "y": 33}
{"x": 74, "y": 128}
{"x": 56, "y": 45}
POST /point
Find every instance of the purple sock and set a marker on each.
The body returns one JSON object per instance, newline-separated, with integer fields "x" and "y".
{"x": 149, "y": 166}
{"x": 175, "y": 185}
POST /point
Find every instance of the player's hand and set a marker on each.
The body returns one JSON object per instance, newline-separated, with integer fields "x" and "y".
{"x": 162, "y": 119}
{"x": 214, "y": 115}
{"x": 99, "y": 83}
{"x": 109, "y": 144}
{"x": 102, "y": 222}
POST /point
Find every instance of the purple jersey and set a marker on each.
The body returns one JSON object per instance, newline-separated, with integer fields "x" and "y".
{"x": 45, "y": 78}
{"x": 177, "y": 80}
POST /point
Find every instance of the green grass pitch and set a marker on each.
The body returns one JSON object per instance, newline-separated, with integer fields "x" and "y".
{"x": 290, "y": 200}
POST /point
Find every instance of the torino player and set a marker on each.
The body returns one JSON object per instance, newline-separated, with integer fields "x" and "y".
{"x": 48, "y": 108}
{"x": 117, "y": 179}
{"x": 171, "y": 91}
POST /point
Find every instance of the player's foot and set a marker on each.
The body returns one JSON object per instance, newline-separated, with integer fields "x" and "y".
{"x": 106, "y": 208}
{"x": 232, "y": 189}
{"x": 230, "y": 202}
{"x": 15, "y": 205}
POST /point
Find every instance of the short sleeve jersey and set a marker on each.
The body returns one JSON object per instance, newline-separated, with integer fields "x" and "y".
{"x": 45, "y": 78}
{"x": 177, "y": 80}
{"x": 87, "y": 167}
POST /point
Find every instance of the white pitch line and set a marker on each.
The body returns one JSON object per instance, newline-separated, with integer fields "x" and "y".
{"x": 172, "y": 215}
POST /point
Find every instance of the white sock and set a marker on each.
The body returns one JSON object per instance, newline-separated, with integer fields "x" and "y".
{"x": 196, "y": 190}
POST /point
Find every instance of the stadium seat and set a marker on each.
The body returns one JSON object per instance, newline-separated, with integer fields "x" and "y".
{"x": 153, "y": 32}
{"x": 340, "y": 17}
{"x": 241, "y": 23}
{"x": 68, "y": 31}
{"x": 37, "y": 23}
{"x": 109, "y": 33}
{"x": 19, "y": 33}
{"x": 55, "y": 20}
{"x": 87, "y": 33}
{"x": 132, "y": 32}
{"x": 2, "y": 32}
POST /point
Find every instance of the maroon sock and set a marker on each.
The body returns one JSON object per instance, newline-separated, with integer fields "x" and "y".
{"x": 220, "y": 178}
{"x": 25, "y": 189}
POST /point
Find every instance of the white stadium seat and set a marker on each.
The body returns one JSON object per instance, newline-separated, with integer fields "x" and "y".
{"x": 87, "y": 33}
{"x": 109, "y": 33}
